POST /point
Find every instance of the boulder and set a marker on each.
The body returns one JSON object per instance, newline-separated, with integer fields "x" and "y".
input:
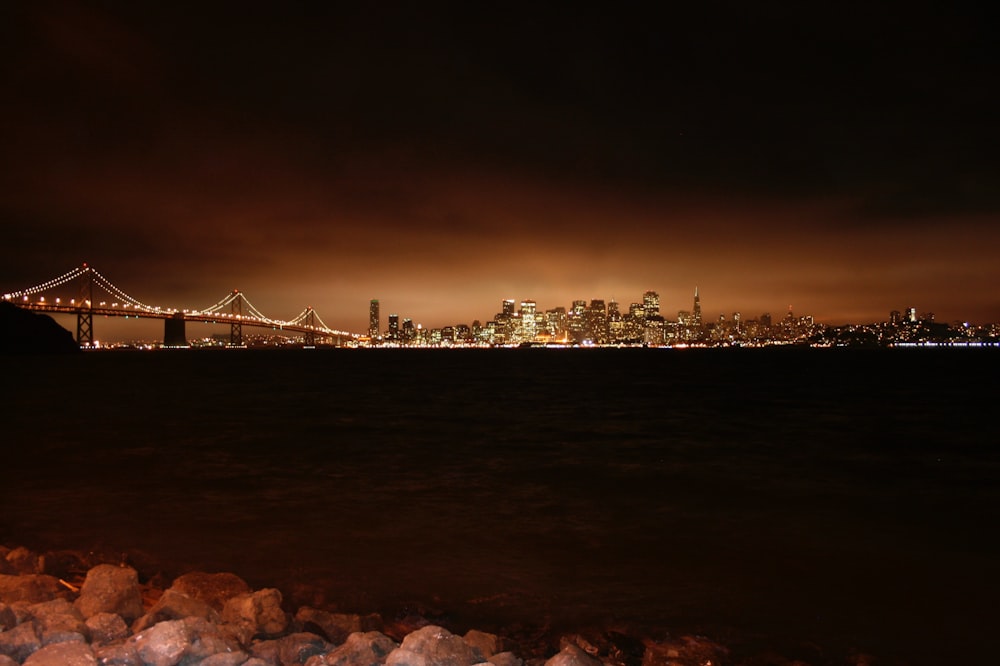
{"x": 63, "y": 654}
{"x": 174, "y": 605}
{"x": 683, "y": 651}
{"x": 111, "y": 589}
{"x": 207, "y": 639}
{"x": 119, "y": 654}
{"x": 7, "y": 661}
{"x": 106, "y": 628}
{"x": 225, "y": 659}
{"x": 215, "y": 589}
{"x": 33, "y": 588}
{"x": 7, "y": 617}
{"x": 296, "y": 649}
{"x": 434, "y": 645}
{"x": 336, "y": 627}
{"x": 20, "y": 642}
{"x": 488, "y": 644}
{"x": 188, "y": 641}
{"x": 505, "y": 659}
{"x": 57, "y": 621}
{"x": 261, "y": 611}
{"x": 360, "y": 649}
{"x": 163, "y": 644}
{"x": 23, "y": 561}
{"x": 573, "y": 655}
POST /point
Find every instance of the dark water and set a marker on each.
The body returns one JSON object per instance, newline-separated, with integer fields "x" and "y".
{"x": 846, "y": 499}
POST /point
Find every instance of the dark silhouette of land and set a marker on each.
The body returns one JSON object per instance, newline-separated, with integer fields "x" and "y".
{"x": 23, "y": 332}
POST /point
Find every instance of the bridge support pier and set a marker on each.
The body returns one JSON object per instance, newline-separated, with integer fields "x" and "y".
{"x": 85, "y": 315}
{"x": 173, "y": 331}
{"x": 236, "y": 324}
{"x": 309, "y": 338}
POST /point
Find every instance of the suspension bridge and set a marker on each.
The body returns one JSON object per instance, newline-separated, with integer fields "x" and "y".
{"x": 74, "y": 293}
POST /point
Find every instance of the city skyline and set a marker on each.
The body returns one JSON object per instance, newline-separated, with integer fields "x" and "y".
{"x": 841, "y": 160}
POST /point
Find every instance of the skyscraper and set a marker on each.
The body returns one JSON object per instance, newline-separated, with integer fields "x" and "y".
{"x": 394, "y": 328}
{"x": 696, "y": 314}
{"x": 373, "y": 320}
{"x": 651, "y": 304}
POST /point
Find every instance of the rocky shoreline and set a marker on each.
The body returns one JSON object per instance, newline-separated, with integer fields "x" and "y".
{"x": 58, "y": 609}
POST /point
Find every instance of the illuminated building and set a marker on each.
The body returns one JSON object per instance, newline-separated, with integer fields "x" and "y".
{"x": 596, "y": 329}
{"x": 651, "y": 304}
{"x": 616, "y": 323}
{"x": 393, "y": 335}
{"x": 409, "y": 333}
{"x": 529, "y": 326}
{"x": 696, "y": 313}
{"x": 634, "y": 323}
{"x": 555, "y": 322}
{"x": 373, "y": 319}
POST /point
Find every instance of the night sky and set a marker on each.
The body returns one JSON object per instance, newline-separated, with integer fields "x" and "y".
{"x": 836, "y": 157}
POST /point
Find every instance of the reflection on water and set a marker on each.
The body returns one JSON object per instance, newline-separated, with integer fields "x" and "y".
{"x": 807, "y": 495}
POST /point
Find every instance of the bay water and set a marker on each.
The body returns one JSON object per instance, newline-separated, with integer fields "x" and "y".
{"x": 845, "y": 500}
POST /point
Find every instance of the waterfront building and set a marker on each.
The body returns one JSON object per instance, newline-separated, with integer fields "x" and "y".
{"x": 393, "y": 333}
{"x": 651, "y": 304}
{"x": 373, "y": 320}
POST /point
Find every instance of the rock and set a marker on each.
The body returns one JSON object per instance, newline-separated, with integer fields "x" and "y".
{"x": 434, "y": 645}
{"x": 106, "y": 628}
{"x": 7, "y": 661}
{"x": 225, "y": 659}
{"x": 7, "y": 617}
{"x": 488, "y": 644}
{"x": 57, "y": 621}
{"x": 573, "y": 655}
{"x": 207, "y": 639}
{"x": 298, "y": 648}
{"x": 111, "y": 589}
{"x": 261, "y": 611}
{"x": 63, "y": 654}
{"x": 291, "y": 650}
{"x": 505, "y": 659}
{"x": 163, "y": 644}
{"x": 172, "y": 642}
{"x": 684, "y": 651}
{"x": 360, "y": 649}
{"x": 174, "y": 605}
{"x": 33, "y": 588}
{"x": 20, "y": 642}
{"x": 23, "y": 561}
{"x": 120, "y": 654}
{"x": 215, "y": 589}
{"x": 336, "y": 627}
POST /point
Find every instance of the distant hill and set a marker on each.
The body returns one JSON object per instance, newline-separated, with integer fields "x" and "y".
{"x": 24, "y": 332}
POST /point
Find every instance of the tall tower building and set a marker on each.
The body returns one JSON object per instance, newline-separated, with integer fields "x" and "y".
{"x": 696, "y": 313}
{"x": 373, "y": 321}
{"x": 651, "y": 304}
{"x": 394, "y": 327}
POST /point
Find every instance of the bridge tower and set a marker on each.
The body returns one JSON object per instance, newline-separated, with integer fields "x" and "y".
{"x": 309, "y": 338}
{"x": 236, "y": 325}
{"x": 85, "y": 312}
